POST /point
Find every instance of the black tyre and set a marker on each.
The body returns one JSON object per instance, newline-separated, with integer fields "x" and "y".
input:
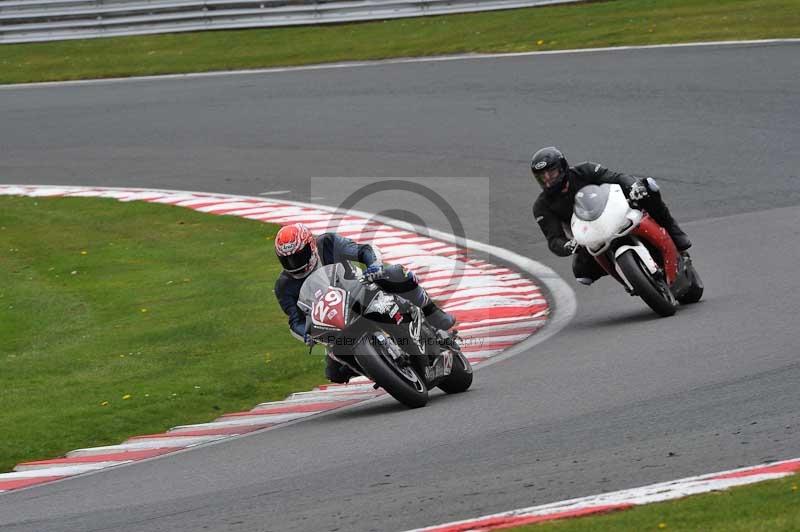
{"x": 460, "y": 378}
{"x": 695, "y": 292}
{"x": 654, "y": 292}
{"x": 401, "y": 382}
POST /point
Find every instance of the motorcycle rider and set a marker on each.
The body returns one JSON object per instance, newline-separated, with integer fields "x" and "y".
{"x": 300, "y": 253}
{"x": 553, "y": 208}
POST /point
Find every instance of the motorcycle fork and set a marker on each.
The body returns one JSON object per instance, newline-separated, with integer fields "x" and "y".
{"x": 606, "y": 260}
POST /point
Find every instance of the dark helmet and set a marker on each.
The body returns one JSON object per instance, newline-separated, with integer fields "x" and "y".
{"x": 549, "y": 168}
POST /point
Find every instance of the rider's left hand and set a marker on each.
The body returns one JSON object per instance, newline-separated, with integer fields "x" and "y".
{"x": 373, "y": 273}
{"x": 570, "y": 246}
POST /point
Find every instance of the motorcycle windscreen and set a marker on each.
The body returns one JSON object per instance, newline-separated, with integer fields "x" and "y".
{"x": 328, "y": 289}
{"x": 590, "y": 202}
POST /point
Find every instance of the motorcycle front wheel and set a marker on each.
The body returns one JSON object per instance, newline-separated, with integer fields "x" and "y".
{"x": 653, "y": 291}
{"x": 460, "y": 378}
{"x": 401, "y": 381}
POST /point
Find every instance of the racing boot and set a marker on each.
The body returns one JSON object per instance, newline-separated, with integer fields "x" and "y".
{"x": 680, "y": 238}
{"x": 437, "y": 317}
{"x": 337, "y": 372}
{"x": 665, "y": 220}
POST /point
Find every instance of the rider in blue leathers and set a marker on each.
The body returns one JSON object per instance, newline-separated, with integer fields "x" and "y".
{"x": 301, "y": 252}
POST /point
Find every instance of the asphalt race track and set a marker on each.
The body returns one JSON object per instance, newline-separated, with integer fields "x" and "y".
{"x": 618, "y": 399}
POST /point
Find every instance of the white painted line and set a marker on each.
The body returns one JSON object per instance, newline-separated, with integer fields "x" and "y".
{"x": 53, "y": 471}
{"x": 483, "y": 354}
{"x": 100, "y": 465}
{"x": 494, "y": 339}
{"x": 195, "y": 201}
{"x": 305, "y": 400}
{"x": 224, "y": 206}
{"x": 482, "y": 332}
{"x": 451, "y": 293}
{"x": 346, "y": 388}
{"x": 173, "y": 199}
{"x": 492, "y": 302}
{"x": 511, "y": 320}
{"x": 637, "y": 496}
{"x": 248, "y": 420}
{"x": 141, "y": 445}
{"x": 275, "y": 193}
{"x": 327, "y": 395}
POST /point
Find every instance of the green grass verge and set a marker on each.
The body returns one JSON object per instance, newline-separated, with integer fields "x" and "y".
{"x": 119, "y": 319}
{"x": 616, "y": 22}
{"x": 772, "y": 506}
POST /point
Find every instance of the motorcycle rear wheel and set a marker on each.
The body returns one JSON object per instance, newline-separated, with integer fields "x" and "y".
{"x": 654, "y": 292}
{"x": 695, "y": 292}
{"x": 402, "y": 383}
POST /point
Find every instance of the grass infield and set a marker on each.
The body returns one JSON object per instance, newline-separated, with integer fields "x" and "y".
{"x": 772, "y": 506}
{"x": 118, "y": 319}
{"x": 588, "y": 25}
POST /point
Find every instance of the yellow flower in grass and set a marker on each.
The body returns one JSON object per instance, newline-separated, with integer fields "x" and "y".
{"x": 539, "y": 42}
{"x": 126, "y": 397}
{"x": 662, "y": 525}
{"x": 104, "y": 403}
{"x": 84, "y": 252}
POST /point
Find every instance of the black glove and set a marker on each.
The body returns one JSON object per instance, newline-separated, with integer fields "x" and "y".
{"x": 639, "y": 191}
{"x": 571, "y": 246}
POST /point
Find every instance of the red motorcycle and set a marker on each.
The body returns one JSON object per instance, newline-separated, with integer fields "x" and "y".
{"x": 634, "y": 249}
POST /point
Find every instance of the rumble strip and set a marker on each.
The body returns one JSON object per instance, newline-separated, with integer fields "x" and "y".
{"x": 496, "y": 307}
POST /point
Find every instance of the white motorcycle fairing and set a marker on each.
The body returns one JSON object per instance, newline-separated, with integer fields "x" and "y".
{"x": 617, "y": 219}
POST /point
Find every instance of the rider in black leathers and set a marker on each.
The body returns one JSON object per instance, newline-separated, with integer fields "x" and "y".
{"x": 301, "y": 252}
{"x": 553, "y": 208}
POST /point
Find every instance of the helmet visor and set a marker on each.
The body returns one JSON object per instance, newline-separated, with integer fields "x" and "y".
{"x": 298, "y": 261}
{"x": 549, "y": 177}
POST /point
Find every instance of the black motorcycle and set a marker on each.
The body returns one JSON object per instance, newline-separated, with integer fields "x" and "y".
{"x": 380, "y": 336}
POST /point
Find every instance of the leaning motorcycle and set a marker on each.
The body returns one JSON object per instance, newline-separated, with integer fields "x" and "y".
{"x": 634, "y": 249}
{"x": 381, "y": 336}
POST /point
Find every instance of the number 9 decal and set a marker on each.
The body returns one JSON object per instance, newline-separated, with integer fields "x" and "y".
{"x": 333, "y": 298}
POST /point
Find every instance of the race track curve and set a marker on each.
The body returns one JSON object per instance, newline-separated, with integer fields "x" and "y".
{"x": 618, "y": 399}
